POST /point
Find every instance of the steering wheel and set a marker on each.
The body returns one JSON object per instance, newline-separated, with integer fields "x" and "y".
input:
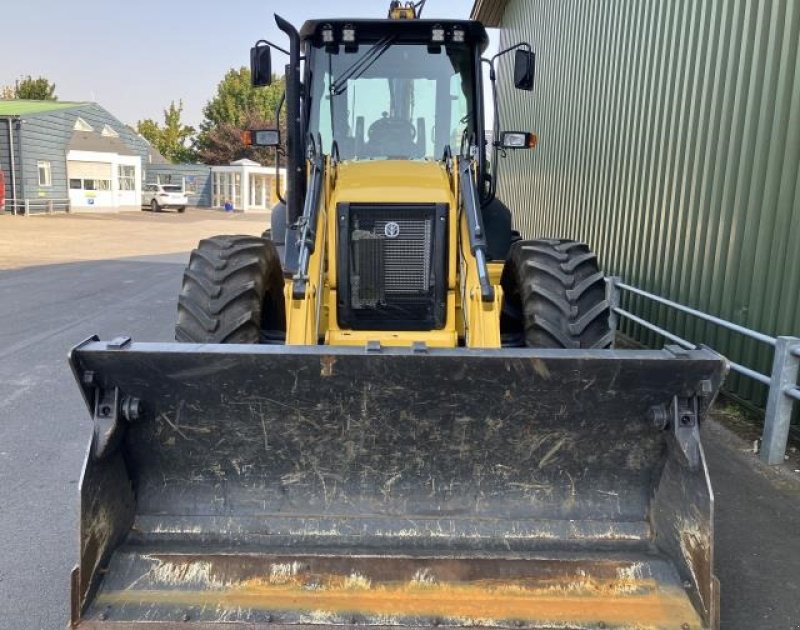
{"x": 391, "y": 132}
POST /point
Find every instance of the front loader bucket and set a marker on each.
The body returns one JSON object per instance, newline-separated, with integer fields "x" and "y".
{"x": 269, "y": 486}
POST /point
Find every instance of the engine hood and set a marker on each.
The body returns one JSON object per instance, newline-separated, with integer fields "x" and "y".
{"x": 392, "y": 181}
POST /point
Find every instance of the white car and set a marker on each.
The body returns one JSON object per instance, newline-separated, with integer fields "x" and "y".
{"x": 156, "y": 197}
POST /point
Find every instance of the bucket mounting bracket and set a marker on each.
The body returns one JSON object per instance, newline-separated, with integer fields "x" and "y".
{"x": 685, "y": 428}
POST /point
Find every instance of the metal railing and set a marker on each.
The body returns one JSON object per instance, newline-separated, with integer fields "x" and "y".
{"x": 27, "y": 207}
{"x": 781, "y": 382}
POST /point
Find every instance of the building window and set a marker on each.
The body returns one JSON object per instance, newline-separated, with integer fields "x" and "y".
{"x": 227, "y": 189}
{"x": 45, "y": 174}
{"x": 82, "y": 125}
{"x": 215, "y": 196}
{"x": 90, "y": 184}
{"x": 127, "y": 177}
{"x": 108, "y": 132}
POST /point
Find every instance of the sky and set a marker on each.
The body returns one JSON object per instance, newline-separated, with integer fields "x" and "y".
{"x": 134, "y": 58}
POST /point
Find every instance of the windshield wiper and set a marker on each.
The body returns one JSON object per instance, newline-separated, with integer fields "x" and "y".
{"x": 360, "y": 66}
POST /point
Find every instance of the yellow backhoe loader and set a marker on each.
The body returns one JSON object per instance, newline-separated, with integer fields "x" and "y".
{"x": 392, "y": 411}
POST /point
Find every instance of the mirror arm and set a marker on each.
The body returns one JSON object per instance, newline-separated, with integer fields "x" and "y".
{"x": 275, "y": 46}
{"x": 278, "y": 191}
{"x": 524, "y": 45}
{"x": 489, "y": 197}
{"x": 496, "y": 127}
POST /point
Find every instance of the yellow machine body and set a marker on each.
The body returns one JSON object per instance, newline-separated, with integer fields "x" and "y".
{"x": 470, "y": 321}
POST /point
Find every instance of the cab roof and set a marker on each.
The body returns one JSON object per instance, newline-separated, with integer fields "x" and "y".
{"x": 404, "y": 30}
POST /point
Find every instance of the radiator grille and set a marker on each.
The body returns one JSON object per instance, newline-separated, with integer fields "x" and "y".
{"x": 391, "y": 264}
{"x": 407, "y": 257}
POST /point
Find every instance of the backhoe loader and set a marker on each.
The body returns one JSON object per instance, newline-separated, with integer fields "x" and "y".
{"x": 391, "y": 410}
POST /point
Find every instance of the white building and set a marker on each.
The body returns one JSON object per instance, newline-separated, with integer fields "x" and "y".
{"x": 103, "y": 172}
{"x": 246, "y": 185}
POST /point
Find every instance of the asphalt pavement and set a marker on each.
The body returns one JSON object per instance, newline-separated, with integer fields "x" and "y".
{"x": 44, "y": 431}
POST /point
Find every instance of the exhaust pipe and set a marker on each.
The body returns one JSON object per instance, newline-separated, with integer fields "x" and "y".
{"x": 295, "y": 170}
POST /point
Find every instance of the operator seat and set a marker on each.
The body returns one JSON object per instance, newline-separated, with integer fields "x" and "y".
{"x": 395, "y": 138}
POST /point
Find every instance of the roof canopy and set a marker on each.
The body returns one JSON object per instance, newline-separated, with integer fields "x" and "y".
{"x": 402, "y": 30}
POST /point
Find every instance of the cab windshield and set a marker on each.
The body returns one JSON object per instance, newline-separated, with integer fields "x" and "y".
{"x": 391, "y": 100}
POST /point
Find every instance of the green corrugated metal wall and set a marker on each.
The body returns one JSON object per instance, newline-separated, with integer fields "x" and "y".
{"x": 670, "y": 142}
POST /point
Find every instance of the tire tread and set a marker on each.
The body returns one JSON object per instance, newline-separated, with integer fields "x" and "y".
{"x": 560, "y": 290}
{"x": 232, "y": 288}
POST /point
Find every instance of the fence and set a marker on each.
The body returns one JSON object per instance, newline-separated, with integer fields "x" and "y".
{"x": 781, "y": 382}
{"x": 27, "y": 207}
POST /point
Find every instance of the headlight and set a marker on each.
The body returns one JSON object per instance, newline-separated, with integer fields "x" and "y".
{"x": 348, "y": 34}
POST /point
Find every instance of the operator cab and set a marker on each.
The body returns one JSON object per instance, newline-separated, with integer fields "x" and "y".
{"x": 393, "y": 89}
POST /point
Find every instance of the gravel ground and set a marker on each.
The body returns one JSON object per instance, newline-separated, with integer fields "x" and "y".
{"x": 60, "y": 238}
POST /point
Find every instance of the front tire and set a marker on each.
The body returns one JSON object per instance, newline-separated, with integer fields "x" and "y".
{"x": 558, "y": 292}
{"x": 181, "y": 210}
{"x": 154, "y": 207}
{"x": 232, "y": 292}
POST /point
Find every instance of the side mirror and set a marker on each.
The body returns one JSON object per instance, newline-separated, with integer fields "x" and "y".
{"x": 524, "y": 69}
{"x": 262, "y": 138}
{"x": 518, "y": 140}
{"x": 260, "y": 65}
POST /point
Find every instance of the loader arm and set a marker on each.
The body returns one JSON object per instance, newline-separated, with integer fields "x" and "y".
{"x": 305, "y": 290}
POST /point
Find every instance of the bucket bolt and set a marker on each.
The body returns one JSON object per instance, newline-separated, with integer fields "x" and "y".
{"x": 131, "y": 408}
{"x": 687, "y": 420}
{"x": 659, "y": 417}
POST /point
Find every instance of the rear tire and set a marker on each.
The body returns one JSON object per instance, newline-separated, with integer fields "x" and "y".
{"x": 232, "y": 292}
{"x": 557, "y": 292}
{"x": 154, "y": 207}
{"x": 181, "y": 210}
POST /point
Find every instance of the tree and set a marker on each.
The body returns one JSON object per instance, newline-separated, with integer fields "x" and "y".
{"x": 172, "y": 139}
{"x": 235, "y": 107}
{"x": 236, "y": 99}
{"x": 223, "y": 144}
{"x": 38, "y": 89}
